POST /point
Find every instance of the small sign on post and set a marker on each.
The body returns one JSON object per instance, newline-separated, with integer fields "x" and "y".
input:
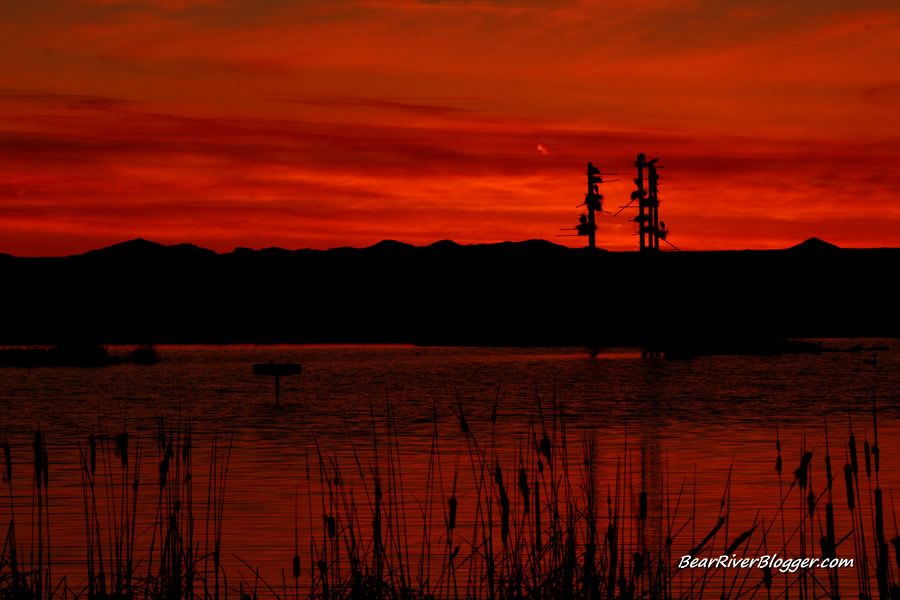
{"x": 277, "y": 370}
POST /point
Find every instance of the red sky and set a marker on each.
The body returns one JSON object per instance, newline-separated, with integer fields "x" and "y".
{"x": 318, "y": 124}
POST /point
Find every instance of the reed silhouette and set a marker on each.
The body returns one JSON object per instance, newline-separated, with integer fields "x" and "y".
{"x": 546, "y": 523}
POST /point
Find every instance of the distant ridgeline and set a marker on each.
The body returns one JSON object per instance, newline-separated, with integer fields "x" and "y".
{"x": 528, "y": 293}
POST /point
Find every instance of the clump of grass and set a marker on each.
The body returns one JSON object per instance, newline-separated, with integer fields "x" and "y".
{"x": 110, "y": 467}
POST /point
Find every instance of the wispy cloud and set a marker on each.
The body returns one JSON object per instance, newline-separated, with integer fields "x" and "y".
{"x": 311, "y": 183}
{"x": 400, "y": 105}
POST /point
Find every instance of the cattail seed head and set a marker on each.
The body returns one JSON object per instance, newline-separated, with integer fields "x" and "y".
{"x": 875, "y": 454}
{"x": 451, "y": 517}
{"x": 545, "y": 448}
{"x": 803, "y": 470}
{"x": 186, "y": 446}
{"x": 739, "y": 540}
{"x": 504, "y": 518}
{"x": 92, "y": 442}
{"x": 868, "y": 456}
{"x": 122, "y": 448}
{"x": 163, "y": 471}
{"x": 848, "y": 481}
{"x": 463, "y": 424}
{"x": 523, "y": 487}
{"x": 637, "y": 565}
{"x": 330, "y": 526}
{"x": 7, "y": 455}
{"x": 38, "y": 448}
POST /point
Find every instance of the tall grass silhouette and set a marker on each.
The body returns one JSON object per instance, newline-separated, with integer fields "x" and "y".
{"x": 536, "y": 520}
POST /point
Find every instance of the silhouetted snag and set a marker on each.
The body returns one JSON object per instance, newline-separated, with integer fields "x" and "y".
{"x": 587, "y": 224}
{"x": 650, "y": 228}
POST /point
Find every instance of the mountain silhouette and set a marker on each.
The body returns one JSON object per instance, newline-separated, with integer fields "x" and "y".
{"x": 132, "y": 248}
{"x": 814, "y": 244}
{"x": 390, "y": 245}
{"x": 512, "y": 293}
{"x": 444, "y": 244}
{"x": 139, "y": 249}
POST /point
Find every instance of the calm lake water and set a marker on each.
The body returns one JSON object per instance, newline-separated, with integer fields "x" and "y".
{"x": 656, "y": 424}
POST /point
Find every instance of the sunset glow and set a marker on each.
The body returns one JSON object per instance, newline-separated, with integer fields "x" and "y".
{"x": 262, "y": 123}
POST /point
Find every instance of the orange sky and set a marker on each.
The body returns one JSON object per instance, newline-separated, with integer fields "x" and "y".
{"x": 318, "y": 124}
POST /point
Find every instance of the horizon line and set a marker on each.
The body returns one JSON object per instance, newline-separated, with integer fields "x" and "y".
{"x": 812, "y": 242}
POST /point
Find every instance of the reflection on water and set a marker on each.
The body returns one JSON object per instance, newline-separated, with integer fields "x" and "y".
{"x": 697, "y": 437}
